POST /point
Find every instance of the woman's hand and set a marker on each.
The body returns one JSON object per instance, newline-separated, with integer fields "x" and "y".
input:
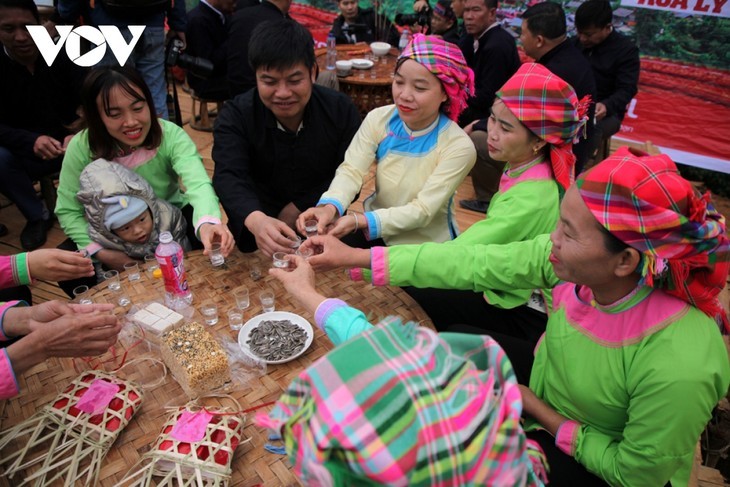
{"x": 211, "y": 233}
{"x": 330, "y": 253}
{"x": 541, "y": 411}
{"x": 346, "y": 225}
{"x": 298, "y": 279}
{"x": 324, "y": 215}
{"x": 58, "y": 265}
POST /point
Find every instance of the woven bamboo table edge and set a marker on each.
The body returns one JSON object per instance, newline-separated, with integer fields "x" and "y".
{"x": 252, "y": 465}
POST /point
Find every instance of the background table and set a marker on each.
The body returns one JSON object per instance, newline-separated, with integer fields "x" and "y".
{"x": 367, "y": 92}
{"x": 252, "y": 465}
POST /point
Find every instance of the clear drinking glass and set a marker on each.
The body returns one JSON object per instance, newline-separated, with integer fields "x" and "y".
{"x": 112, "y": 280}
{"x": 242, "y": 298}
{"x": 267, "y": 301}
{"x": 81, "y": 295}
{"x": 280, "y": 260}
{"x": 310, "y": 228}
{"x": 150, "y": 262}
{"x": 210, "y": 313}
{"x": 132, "y": 269}
{"x": 235, "y": 319}
{"x": 216, "y": 255}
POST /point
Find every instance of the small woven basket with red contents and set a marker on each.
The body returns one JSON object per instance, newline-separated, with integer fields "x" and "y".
{"x": 70, "y": 437}
{"x": 195, "y": 447}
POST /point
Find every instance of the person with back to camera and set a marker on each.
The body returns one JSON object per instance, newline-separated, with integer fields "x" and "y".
{"x": 118, "y": 109}
{"x": 420, "y": 152}
{"x": 632, "y": 362}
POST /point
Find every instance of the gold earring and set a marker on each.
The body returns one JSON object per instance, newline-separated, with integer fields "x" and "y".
{"x": 535, "y": 150}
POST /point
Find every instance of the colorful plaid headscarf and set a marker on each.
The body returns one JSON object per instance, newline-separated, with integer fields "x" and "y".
{"x": 401, "y": 405}
{"x": 550, "y": 109}
{"x": 447, "y": 63}
{"x": 443, "y": 8}
{"x": 644, "y": 202}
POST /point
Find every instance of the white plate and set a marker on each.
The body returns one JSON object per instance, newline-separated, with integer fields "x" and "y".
{"x": 361, "y": 63}
{"x": 275, "y": 315}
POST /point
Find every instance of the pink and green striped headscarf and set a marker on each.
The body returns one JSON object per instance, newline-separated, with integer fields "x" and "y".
{"x": 644, "y": 202}
{"x": 550, "y": 109}
{"x": 445, "y": 61}
{"x": 402, "y": 405}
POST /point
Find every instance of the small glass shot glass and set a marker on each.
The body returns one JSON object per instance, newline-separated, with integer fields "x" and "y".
{"x": 295, "y": 242}
{"x": 310, "y": 228}
{"x": 151, "y": 264}
{"x": 216, "y": 255}
{"x": 373, "y": 72}
{"x": 81, "y": 295}
{"x": 210, "y": 313}
{"x": 280, "y": 260}
{"x": 255, "y": 272}
{"x": 235, "y": 319}
{"x": 268, "y": 302}
{"x": 305, "y": 253}
{"x": 112, "y": 280}
{"x": 132, "y": 269}
{"x": 242, "y": 298}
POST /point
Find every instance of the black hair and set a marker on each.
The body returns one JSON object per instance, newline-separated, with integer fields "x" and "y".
{"x": 593, "y": 13}
{"x": 281, "y": 44}
{"x": 545, "y": 19}
{"x": 613, "y": 244}
{"x": 491, "y": 4}
{"x": 99, "y": 82}
{"x": 28, "y": 5}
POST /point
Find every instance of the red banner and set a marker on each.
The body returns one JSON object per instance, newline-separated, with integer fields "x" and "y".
{"x": 717, "y": 8}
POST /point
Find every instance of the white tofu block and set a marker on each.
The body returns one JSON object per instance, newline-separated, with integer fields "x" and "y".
{"x": 162, "y": 325}
{"x": 175, "y": 318}
{"x": 159, "y": 310}
{"x": 146, "y": 318}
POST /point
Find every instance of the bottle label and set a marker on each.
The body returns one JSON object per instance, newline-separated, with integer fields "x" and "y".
{"x": 173, "y": 272}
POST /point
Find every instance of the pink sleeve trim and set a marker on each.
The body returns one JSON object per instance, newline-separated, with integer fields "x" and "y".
{"x": 203, "y": 221}
{"x": 3, "y": 308}
{"x": 355, "y": 274}
{"x": 8, "y": 382}
{"x": 93, "y": 248}
{"x": 379, "y": 266}
{"x": 567, "y": 434}
{"x": 325, "y": 309}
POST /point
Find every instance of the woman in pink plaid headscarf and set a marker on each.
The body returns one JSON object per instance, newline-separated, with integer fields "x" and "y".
{"x": 420, "y": 152}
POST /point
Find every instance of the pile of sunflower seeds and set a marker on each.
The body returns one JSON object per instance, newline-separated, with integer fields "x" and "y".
{"x": 276, "y": 339}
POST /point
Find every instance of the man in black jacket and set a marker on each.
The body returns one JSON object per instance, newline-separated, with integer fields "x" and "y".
{"x": 362, "y": 25}
{"x": 241, "y": 77}
{"x": 444, "y": 22}
{"x": 615, "y": 62}
{"x": 544, "y": 39}
{"x": 276, "y": 147}
{"x": 492, "y": 53}
{"x": 207, "y": 37}
{"x": 37, "y": 104}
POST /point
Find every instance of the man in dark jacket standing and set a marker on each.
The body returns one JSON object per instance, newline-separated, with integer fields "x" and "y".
{"x": 615, "y": 62}
{"x": 544, "y": 39}
{"x": 241, "y": 77}
{"x": 207, "y": 37}
{"x": 362, "y": 25}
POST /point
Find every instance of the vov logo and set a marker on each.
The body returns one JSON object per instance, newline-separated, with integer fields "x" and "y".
{"x": 103, "y": 37}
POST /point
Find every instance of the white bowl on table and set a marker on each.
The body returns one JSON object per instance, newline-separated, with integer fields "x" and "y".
{"x": 380, "y": 48}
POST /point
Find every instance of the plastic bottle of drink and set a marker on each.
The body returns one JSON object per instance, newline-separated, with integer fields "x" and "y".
{"x": 169, "y": 255}
{"x": 331, "y": 51}
{"x": 405, "y": 38}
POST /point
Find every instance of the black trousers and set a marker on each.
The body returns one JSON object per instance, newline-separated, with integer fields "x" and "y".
{"x": 448, "y": 307}
{"x": 565, "y": 471}
{"x": 68, "y": 244}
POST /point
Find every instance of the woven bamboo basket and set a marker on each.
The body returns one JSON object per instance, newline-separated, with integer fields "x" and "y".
{"x": 176, "y": 459}
{"x": 68, "y": 440}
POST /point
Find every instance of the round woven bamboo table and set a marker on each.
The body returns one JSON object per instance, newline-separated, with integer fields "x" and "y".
{"x": 368, "y": 91}
{"x": 252, "y": 464}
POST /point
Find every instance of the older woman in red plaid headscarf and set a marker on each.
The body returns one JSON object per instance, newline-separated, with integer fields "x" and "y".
{"x": 421, "y": 155}
{"x": 632, "y": 361}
